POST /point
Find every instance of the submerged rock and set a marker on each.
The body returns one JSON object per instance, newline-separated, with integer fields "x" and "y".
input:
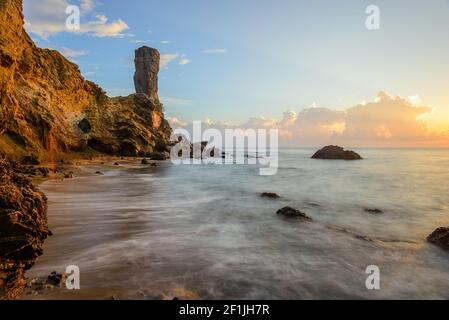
{"x": 23, "y": 228}
{"x": 374, "y": 211}
{"x": 440, "y": 237}
{"x": 270, "y": 195}
{"x": 289, "y": 212}
{"x": 336, "y": 153}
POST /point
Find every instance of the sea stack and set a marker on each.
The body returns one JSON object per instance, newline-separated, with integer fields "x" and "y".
{"x": 147, "y": 68}
{"x": 336, "y": 153}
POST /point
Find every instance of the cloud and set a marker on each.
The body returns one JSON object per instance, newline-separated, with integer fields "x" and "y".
{"x": 176, "y": 123}
{"x": 167, "y": 58}
{"x": 137, "y": 41}
{"x": 71, "y": 53}
{"x": 385, "y": 122}
{"x": 184, "y": 60}
{"x": 171, "y": 101}
{"x": 215, "y": 51}
{"x": 87, "y": 5}
{"x": 46, "y": 18}
{"x": 166, "y": 42}
{"x": 89, "y": 74}
{"x": 101, "y": 28}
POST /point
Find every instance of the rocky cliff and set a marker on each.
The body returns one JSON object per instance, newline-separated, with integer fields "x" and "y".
{"x": 23, "y": 228}
{"x": 48, "y": 108}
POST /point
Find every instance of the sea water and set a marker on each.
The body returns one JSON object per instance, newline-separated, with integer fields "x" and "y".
{"x": 204, "y": 231}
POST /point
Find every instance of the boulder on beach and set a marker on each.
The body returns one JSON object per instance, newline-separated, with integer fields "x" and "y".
{"x": 158, "y": 156}
{"x": 440, "y": 237}
{"x": 55, "y": 278}
{"x": 289, "y": 212}
{"x": 336, "y": 153}
{"x": 68, "y": 175}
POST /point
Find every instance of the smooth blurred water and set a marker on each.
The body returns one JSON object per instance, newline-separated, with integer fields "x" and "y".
{"x": 205, "y": 232}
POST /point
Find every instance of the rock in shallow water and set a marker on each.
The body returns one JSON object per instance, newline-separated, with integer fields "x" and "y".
{"x": 289, "y": 212}
{"x": 374, "y": 211}
{"x": 270, "y": 195}
{"x": 55, "y": 278}
{"x": 158, "y": 156}
{"x": 440, "y": 237}
{"x": 336, "y": 153}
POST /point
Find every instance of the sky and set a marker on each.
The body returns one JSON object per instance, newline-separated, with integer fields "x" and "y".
{"x": 312, "y": 69}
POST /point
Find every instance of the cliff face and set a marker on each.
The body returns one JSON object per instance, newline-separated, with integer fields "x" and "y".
{"x": 48, "y": 108}
{"x": 23, "y": 228}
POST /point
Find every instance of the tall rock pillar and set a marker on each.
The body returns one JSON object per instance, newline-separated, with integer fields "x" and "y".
{"x": 147, "y": 68}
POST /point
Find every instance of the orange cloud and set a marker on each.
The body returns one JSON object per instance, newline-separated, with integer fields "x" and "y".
{"x": 386, "y": 122}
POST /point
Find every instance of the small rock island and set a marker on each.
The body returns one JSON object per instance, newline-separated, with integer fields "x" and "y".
{"x": 336, "y": 153}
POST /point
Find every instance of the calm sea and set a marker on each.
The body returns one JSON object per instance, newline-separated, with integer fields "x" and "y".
{"x": 204, "y": 231}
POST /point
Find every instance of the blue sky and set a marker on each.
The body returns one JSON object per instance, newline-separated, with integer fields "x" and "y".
{"x": 274, "y": 55}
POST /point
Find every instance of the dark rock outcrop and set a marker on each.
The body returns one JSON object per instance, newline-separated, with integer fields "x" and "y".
{"x": 270, "y": 195}
{"x": 374, "y": 211}
{"x": 440, "y": 237}
{"x": 23, "y": 228}
{"x": 158, "y": 156}
{"x": 200, "y": 150}
{"x": 336, "y": 153}
{"x": 291, "y": 213}
{"x": 55, "y": 278}
{"x": 44, "y": 285}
